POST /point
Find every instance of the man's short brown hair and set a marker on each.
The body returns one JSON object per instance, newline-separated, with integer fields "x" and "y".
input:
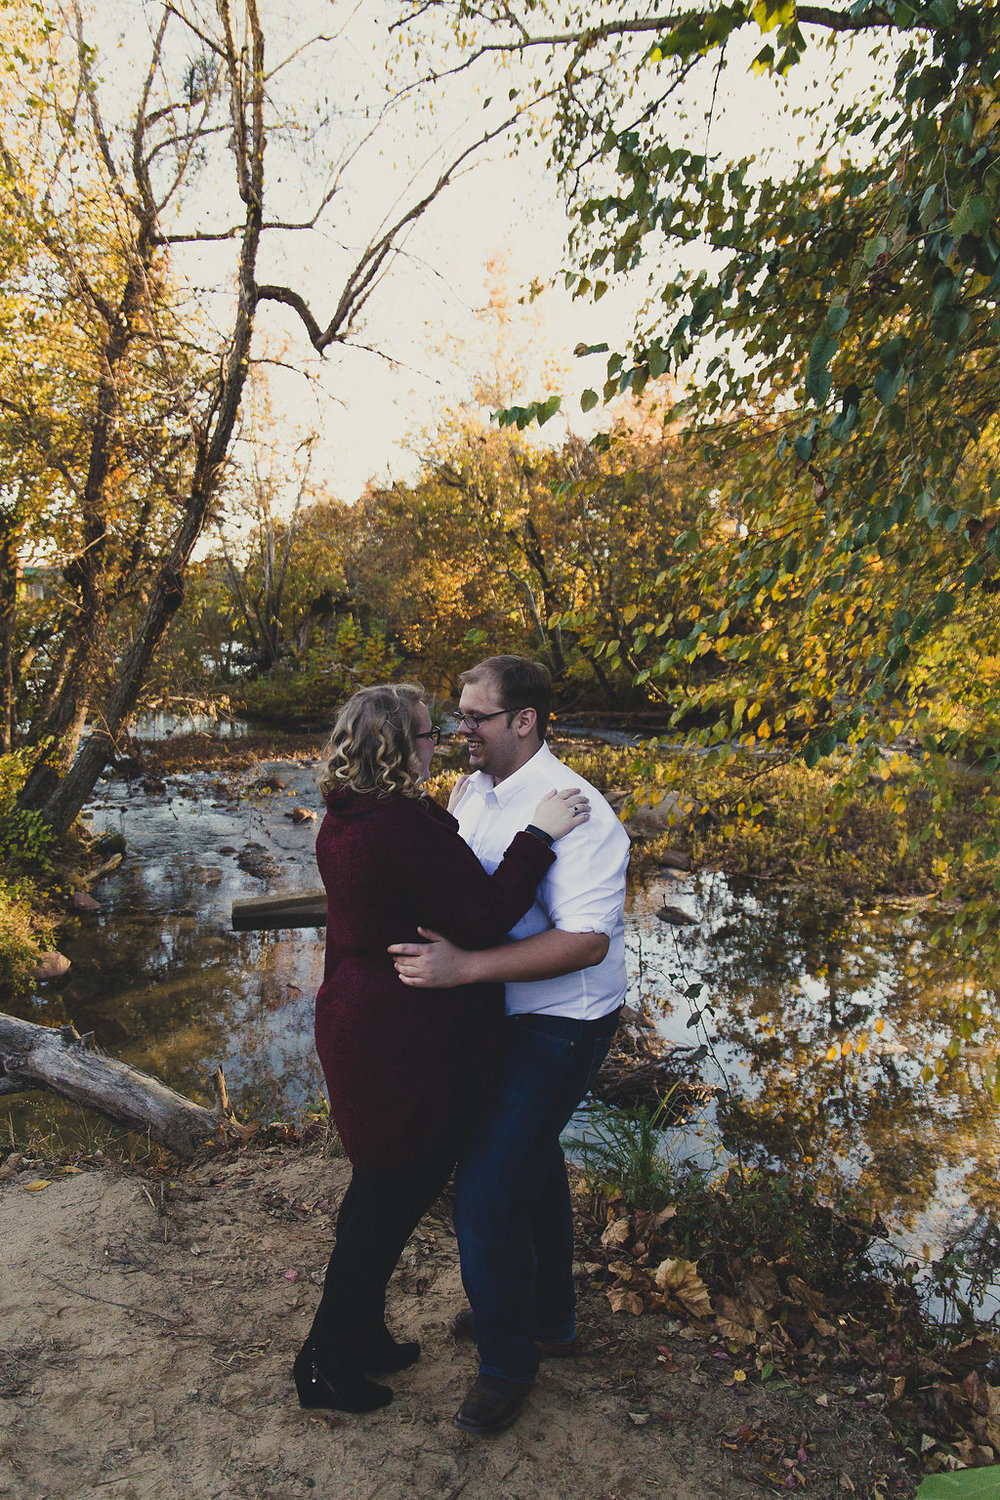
{"x": 520, "y": 683}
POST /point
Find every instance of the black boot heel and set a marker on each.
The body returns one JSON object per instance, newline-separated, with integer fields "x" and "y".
{"x": 318, "y": 1390}
{"x": 385, "y": 1357}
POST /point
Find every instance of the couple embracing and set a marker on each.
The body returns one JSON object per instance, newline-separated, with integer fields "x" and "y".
{"x": 474, "y": 974}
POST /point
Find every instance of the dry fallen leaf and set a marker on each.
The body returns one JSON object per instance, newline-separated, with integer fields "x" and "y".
{"x": 680, "y": 1278}
{"x": 739, "y": 1321}
{"x": 622, "y": 1300}
{"x": 618, "y": 1232}
{"x": 36, "y": 1187}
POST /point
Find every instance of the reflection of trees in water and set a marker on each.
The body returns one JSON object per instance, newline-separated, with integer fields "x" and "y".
{"x": 174, "y": 998}
{"x": 787, "y": 976}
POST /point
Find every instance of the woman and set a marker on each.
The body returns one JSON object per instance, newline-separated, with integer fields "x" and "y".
{"x": 404, "y": 1068}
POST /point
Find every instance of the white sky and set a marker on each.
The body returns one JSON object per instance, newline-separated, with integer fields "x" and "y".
{"x": 368, "y": 413}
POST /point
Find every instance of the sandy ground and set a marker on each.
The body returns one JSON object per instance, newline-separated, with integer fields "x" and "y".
{"x": 149, "y": 1323}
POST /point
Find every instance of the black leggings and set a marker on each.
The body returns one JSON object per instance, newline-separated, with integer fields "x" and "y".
{"x": 381, "y": 1209}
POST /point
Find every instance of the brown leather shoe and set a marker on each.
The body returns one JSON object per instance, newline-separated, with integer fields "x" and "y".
{"x": 557, "y": 1351}
{"x": 462, "y": 1327}
{"x": 491, "y": 1405}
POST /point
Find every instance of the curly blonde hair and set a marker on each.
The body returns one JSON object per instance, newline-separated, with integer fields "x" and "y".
{"x": 373, "y": 746}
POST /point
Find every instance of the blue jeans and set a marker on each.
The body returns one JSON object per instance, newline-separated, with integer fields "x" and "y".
{"x": 513, "y": 1213}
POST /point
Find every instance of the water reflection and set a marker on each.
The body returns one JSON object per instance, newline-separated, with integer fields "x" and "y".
{"x": 160, "y": 977}
{"x": 775, "y": 978}
{"x": 771, "y": 978}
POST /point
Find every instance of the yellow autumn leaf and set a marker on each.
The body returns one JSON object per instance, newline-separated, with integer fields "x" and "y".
{"x": 880, "y": 1025}
{"x": 833, "y": 1054}
{"x": 847, "y": 1048}
{"x": 739, "y": 1374}
{"x": 36, "y": 1187}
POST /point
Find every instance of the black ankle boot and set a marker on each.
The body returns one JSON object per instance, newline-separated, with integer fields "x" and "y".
{"x": 382, "y": 1355}
{"x": 340, "y": 1390}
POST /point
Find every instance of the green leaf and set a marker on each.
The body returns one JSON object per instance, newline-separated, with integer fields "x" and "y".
{"x": 888, "y": 385}
{"x": 965, "y": 1484}
{"x": 818, "y": 384}
{"x": 836, "y": 318}
{"x": 822, "y": 351}
{"x": 589, "y": 400}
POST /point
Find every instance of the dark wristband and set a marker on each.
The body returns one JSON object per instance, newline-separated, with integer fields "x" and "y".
{"x": 540, "y": 833}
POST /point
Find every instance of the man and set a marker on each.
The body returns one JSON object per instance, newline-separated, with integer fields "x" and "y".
{"x": 565, "y": 982}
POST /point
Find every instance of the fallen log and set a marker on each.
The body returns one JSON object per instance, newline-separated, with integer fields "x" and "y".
{"x": 70, "y": 1065}
{"x": 260, "y": 913}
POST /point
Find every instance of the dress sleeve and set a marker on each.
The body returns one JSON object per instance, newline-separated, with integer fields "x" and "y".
{"x": 442, "y": 882}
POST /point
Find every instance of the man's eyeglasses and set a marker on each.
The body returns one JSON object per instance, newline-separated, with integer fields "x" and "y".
{"x": 473, "y": 721}
{"x": 429, "y": 734}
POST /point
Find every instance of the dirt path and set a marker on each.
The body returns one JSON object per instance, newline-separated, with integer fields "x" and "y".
{"x": 148, "y": 1328}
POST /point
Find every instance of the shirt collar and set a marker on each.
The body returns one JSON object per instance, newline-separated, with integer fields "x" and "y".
{"x": 512, "y": 785}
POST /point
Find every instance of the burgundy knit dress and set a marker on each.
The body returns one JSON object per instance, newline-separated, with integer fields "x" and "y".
{"x": 401, "y": 1062}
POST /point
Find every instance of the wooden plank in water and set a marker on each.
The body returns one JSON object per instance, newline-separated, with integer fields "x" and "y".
{"x": 261, "y": 913}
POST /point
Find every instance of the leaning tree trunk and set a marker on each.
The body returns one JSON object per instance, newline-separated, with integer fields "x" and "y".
{"x": 61, "y": 1060}
{"x": 62, "y": 804}
{"x": 8, "y": 617}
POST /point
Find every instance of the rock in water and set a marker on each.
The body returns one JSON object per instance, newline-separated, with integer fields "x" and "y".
{"x": 255, "y": 860}
{"x": 51, "y": 966}
{"x": 675, "y": 915}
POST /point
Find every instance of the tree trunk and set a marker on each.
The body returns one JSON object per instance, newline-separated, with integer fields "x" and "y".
{"x": 61, "y": 1060}
{"x": 8, "y": 618}
{"x": 62, "y": 804}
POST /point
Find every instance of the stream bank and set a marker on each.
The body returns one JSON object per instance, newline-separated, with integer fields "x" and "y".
{"x": 147, "y": 1354}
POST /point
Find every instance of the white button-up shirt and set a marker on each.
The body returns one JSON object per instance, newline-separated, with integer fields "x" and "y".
{"x": 584, "y": 891}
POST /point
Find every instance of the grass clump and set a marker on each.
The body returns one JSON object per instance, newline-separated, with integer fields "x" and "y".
{"x": 623, "y": 1154}
{"x": 725, "y": 1223}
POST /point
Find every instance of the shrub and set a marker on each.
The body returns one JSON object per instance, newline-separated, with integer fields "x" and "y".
{"x": 308, "y": 693}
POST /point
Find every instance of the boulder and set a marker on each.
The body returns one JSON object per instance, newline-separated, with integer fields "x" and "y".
{"x": 674, "y": 859}
{"x": 255, "y": 860}
{"x": 82, "y": 901}
{"x": 649, "y": 822}
{"x": 675, "y": 915}
{"x": 270, "y": 784}
{"x": 107, "y": 844}
{"x": 51, "y": 966}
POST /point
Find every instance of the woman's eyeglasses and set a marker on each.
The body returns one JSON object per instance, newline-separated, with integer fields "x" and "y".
{"x": 429, "y": 734}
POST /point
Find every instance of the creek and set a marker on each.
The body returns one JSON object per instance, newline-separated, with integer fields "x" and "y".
{"x": 768, "y": 978}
